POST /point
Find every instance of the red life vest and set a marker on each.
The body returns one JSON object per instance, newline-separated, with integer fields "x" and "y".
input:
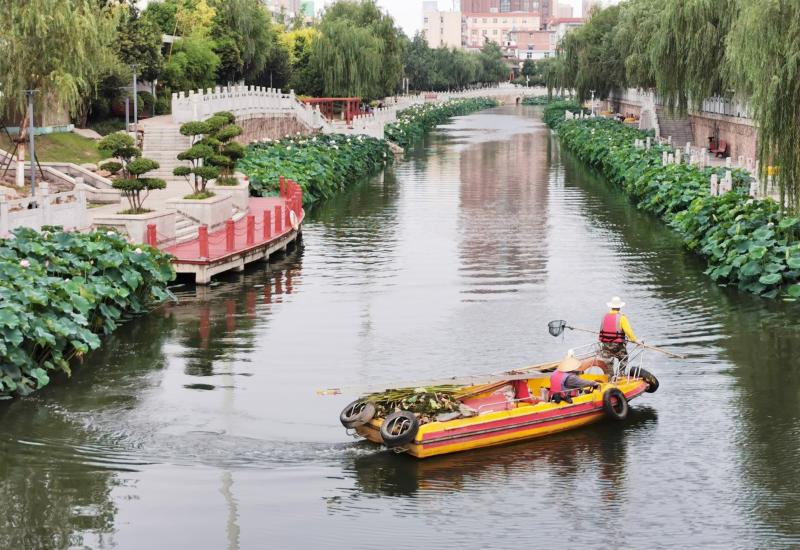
{"x": 611, "y": 328}
{"x": 557, "y": 384}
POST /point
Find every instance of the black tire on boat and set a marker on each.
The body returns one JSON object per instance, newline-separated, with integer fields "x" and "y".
{"x": 399, "y": 428}
{"x": 652, "y": 381}
{"x": 614, "y": 404}
{"x": 357, "y": 414}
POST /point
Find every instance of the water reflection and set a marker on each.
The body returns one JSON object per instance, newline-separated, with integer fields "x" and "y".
{"x": 219, "y": 324}
{"x": 601, "y": 449}
{"x": 57, "y": 473}
{"x": 503, "y": 214}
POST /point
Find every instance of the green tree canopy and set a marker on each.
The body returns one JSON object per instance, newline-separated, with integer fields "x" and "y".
{"x": 139, "y": 43}
{"x": 59, "y": 47}
{"x": 591, "y": 57}
{"x": 764, "y": 53}
{"x": 493, "y": 66}
{"x": 193, "y": 65}
{"x": 244, "y": 39}
{"x": 360, "y": 51}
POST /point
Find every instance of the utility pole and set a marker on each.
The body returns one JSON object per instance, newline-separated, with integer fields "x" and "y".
{"x": 135, "y": 105}
{"x": 32, "y": 131}
{"x": 126, "y": 89}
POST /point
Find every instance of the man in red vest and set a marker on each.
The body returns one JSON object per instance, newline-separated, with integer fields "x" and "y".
{"x": 615, "y": 332}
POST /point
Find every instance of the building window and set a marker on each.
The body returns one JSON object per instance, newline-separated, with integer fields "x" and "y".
{"x": 505, "y": 21}
{"x": 530, "y": 55}
{"x": 494, "y": 31}
{"x": 474, "y": 31}
{"x": 494, "y": 20}
{"x": 484, "y": 20}
{"x": 485, "y": 32}
{"x": 441, "y": 20}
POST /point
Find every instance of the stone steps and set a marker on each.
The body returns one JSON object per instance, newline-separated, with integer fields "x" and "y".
{"x": 679, "y": 128}
{"x": 185, "y": 229}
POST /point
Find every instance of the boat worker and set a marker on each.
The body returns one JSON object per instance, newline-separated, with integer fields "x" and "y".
{"x": 565, "y": 382}
{"x": 615, "y": 333}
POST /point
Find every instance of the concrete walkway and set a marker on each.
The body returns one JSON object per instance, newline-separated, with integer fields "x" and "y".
{"x": 162, "y": 143}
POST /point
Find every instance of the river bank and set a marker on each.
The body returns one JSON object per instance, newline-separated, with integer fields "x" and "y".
{"x": 749, "y": 244}
{"x": 60, "y": 291}
{"x": 325, "y": 164}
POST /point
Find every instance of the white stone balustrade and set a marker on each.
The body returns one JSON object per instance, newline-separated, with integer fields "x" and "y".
{"x": 65, "y": 209}
{"x": 254, "y": 101}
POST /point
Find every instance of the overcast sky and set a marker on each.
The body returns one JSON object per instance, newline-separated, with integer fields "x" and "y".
{"x": 408, "y": 13}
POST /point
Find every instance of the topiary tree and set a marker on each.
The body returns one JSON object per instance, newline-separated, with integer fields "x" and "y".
{"x": 111, "y": 166}
{"x": 213, "y": 153}
{"x": 120, "y": 145}
{"x": 198, "y": 173}
{"x": 131, "y": 167}
{"x": 226, "y": 151}
{"x": 133, "y": 186}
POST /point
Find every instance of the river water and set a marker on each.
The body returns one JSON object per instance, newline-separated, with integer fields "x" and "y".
{"x": 198, "y": 426}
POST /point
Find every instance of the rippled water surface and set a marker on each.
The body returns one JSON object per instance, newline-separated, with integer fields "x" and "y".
{"x": 198, "y": 426}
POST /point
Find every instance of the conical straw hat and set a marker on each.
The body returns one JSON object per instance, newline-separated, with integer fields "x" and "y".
{"x": 569, "y": 363}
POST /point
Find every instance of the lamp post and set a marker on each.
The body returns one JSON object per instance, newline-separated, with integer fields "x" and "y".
{"x": 135, "y": 104}
{"x": 127, "y": 90}
{"x": 31, "y": 132}
{"x": 592, "y": 102}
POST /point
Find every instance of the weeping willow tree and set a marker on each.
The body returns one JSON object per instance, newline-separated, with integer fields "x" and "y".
{"x": 764, "y": 54}
{"x": 554, "y": 72}
{"x": 592, "y": 59}
{"x": 687, "y": 50}
{"x": 348, "y": 61}
{"x": 61, "y": 48}
{"x": 347, "y": 28}
{"x": 633, "y": 38}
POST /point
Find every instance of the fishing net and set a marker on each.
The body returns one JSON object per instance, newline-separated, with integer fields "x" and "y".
{"x": 556, "y": 327}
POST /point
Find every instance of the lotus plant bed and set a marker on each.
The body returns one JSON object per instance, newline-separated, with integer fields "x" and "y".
{"x": 414, "y": 121}
{"x": 59, "y": 291}
{"x": 321, "y": 164}
{"x": 750, "y": 244}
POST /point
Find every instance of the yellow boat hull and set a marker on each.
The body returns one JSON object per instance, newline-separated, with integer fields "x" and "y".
{"x": 524, "y": 421}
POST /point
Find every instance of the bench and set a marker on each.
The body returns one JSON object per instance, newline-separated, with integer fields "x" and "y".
{"x": 721, "y": 150}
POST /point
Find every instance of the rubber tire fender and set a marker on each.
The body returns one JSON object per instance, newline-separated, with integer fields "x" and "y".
{"x": 357, "y": 413}
{"x": 652, "y": 381}
{"x": 408, "y": 424}
{"x": 618, "y": 411}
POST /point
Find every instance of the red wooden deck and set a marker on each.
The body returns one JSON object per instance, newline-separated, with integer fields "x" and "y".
{"x": 267, "y": 224}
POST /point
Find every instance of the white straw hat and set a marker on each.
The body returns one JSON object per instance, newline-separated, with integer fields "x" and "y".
{"x": 615, "y": 303}
{"x": 569, "y": 363}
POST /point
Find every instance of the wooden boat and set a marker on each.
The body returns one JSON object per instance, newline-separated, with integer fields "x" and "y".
{"x": 497, "y": 416}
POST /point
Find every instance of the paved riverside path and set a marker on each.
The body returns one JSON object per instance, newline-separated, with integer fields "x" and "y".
{"x": 162, "y": 143}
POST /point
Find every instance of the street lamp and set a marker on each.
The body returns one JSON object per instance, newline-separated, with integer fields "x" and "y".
{"x": 592, "y": 101}
{"x": 135, "y": 104}
{"x": 31, "y": 134}
{"x": 127, "y": 90}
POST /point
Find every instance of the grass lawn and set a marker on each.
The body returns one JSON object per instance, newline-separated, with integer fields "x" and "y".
{"x": 66, "y": 147}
